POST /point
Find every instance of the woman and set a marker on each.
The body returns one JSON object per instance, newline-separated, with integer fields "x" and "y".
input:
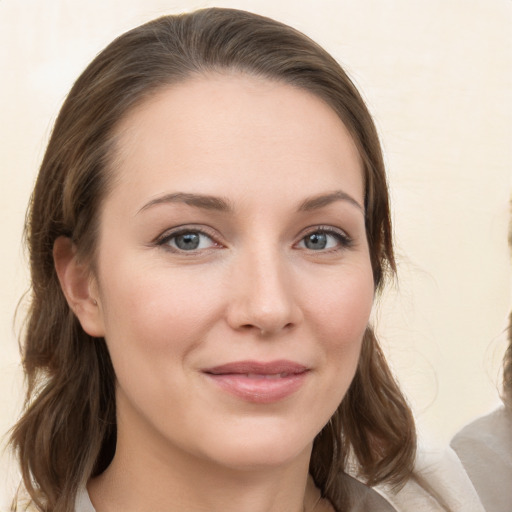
{"x": 208, "y": 230}
{"x": 485, "y": 445}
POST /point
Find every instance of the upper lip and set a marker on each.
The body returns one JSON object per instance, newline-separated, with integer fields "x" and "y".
{"x": 257, "y": 368}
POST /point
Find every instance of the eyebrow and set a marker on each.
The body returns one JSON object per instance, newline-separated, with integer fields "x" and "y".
{"x": 207, "y": 202}
{"x": 319, "y": 201}
{"x": 204, "y": 202}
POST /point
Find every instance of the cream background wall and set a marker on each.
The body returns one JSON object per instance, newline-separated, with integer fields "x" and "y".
{"x": 437, "y": 76}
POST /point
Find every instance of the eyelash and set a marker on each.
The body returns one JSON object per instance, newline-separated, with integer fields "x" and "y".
{"x": 344, "y": 241}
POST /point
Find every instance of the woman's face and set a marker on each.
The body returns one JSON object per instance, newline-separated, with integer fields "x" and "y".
{"x": 233, "y": 277}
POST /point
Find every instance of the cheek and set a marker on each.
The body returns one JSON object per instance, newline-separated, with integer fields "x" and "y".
{"x": 153, "y": 321}
{"x": 343, "y": 306}
{"x": 341, "y": 312}
{"x": 156, "y": 313}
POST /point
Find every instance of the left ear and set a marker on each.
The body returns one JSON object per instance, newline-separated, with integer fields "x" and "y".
{"x": 79, "y": 287}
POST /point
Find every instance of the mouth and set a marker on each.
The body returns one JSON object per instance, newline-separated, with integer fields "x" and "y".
{"x": 259, "y": 382}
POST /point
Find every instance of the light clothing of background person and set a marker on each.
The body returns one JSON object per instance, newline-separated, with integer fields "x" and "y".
{"x": 485, "y": 449}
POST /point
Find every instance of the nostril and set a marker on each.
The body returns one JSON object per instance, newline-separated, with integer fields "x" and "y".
{"x": 266, "y": 331}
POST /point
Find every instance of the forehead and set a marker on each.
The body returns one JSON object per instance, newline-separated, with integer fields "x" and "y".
{"x": 224, "y": 127}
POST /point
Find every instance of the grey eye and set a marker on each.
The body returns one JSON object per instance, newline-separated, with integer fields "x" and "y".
{"x": 187, "y": 241}
{"x": 316, "y": 241}
{"x": 322, "y": 240}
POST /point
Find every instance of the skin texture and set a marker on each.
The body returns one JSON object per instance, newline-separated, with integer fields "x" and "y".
{"x": 254, "y": 289}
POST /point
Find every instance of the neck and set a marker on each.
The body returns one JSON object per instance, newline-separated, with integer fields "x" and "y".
{"x": 173, "y": 488}
{"x": 150, "y": 475}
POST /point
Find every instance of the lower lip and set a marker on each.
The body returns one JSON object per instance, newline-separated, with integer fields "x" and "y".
{"x": 259, "y": 390}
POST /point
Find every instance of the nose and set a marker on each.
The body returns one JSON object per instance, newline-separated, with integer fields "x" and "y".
{"x": 263, "y": 299}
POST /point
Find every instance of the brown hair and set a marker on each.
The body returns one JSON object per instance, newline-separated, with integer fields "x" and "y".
{"x": 67, "y": 433}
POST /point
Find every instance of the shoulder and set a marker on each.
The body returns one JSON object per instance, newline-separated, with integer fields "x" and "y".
{"x": 367, "y": 499}
{"x": 485, "y": 450}
{"x": 493, "y": 431}
{"x": 361, "y": 497}
{"x": 438, "y": 484}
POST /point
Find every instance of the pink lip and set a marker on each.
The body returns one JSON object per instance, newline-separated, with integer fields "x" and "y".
{"x": 259, "y": 382}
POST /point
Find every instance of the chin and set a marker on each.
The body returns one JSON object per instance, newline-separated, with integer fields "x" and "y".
{"x": 258, "y": 452}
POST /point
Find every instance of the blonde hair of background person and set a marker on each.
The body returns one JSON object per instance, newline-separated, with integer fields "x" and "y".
{"x": 507, "y": 359}
{"x": 68, "y": 431}
{"x": 507, "y": 368}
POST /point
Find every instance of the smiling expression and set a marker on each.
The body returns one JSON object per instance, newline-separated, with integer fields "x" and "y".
{"x": 233, "y": 276}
